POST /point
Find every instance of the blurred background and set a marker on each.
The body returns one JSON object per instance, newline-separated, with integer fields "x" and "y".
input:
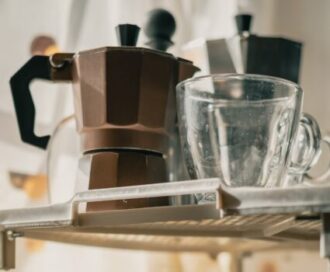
{"x": 30, "y": 27}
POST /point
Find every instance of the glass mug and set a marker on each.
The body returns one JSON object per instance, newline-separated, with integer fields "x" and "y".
{"x": 244, "y": 129}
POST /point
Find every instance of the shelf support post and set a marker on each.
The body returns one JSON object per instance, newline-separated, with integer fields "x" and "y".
{"x": 7, "y": 251}
{"x": 325, "y": 237}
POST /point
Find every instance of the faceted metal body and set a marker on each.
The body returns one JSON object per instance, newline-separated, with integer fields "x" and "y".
{"x": 125, "y": 107}
{"x": 125, "y": 97}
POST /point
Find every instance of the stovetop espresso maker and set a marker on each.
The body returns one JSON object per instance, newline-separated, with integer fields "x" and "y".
{"x": 125, "y": 107}
{"x": 247, "y": 53}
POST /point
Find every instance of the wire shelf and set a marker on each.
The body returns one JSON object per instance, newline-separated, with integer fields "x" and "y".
{"x": 241, "y": 220}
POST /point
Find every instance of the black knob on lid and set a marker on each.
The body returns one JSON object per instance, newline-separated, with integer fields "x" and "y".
{"x": 243, "y": 22}
{"x": 127, "y": 34}
{"x": 159, "y": 28}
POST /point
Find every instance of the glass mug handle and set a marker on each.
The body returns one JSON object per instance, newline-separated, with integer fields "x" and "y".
{"x": 306, "y": 148}
{"x": 324, "y": 177}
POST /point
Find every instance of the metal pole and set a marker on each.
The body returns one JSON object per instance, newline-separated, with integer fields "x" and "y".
{"x": 325, "y": 238}
{"x": 7, "y": 250}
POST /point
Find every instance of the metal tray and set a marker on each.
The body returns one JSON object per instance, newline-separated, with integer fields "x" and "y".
{"x": 241, "y": 220}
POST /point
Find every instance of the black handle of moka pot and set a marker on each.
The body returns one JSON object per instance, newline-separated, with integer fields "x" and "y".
{"x": 38, "y": 67}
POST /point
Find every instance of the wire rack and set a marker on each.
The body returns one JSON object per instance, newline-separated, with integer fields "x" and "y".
{"x": 241, "y": 220}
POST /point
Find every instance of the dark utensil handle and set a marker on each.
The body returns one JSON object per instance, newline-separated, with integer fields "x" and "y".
{"x": 38, "y": 67}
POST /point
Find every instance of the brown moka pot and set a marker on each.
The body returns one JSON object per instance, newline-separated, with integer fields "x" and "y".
{"x": 125, "y": 110}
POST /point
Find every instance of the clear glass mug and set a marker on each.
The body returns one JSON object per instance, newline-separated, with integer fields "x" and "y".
{"x": 243, "y": 129}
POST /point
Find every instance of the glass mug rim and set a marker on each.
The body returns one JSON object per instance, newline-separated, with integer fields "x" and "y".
{"x": 294, "y": 88}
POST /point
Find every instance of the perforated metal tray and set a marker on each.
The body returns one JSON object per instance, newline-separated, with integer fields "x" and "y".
{"x": 241, "y": 220}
